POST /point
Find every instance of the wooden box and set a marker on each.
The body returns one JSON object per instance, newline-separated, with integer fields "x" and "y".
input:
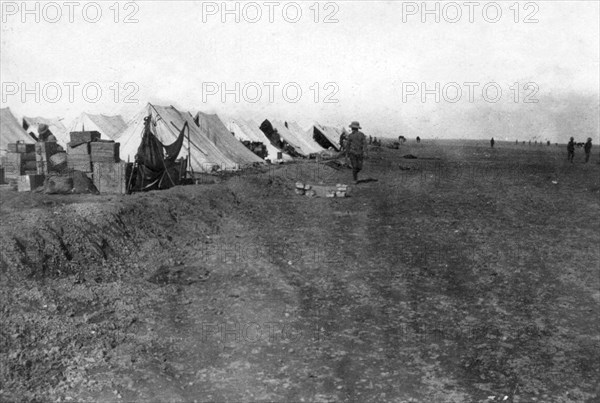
{"x": 84, "y": 137}
{"x": 79, "y": 162}
{"x": 13, "y": 165}
{"x": 82, "y": 149}
{"x": 25, "y": 148}
{"x": 28, "y": 156}
{"x": 27, "y": 183}
{"x": 20, "y": 148}
{"x": 112, "y": 177}
{"x": 104, "y": 151}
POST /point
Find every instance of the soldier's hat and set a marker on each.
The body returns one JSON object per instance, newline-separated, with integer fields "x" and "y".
{"x": 355, "y": 125}
{"x": 42, "y": 128}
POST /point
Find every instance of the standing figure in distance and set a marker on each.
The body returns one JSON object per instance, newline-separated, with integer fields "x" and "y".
{"x": 343, "y": 145}
{"x": 588, "y": 149}
{"x": 492, "y": 142}
{"x": 571, "y": 150}
{"x": 357, "y": 146}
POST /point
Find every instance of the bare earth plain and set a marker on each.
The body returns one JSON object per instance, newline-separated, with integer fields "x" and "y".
{"x": 468, "y": 274}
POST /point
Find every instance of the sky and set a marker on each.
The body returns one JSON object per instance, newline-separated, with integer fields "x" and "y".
{"x": 389, "y": 65}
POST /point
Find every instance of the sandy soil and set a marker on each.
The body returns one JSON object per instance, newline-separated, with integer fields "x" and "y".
{"x": 465, "y": 275}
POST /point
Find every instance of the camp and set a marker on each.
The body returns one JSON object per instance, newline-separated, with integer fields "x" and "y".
{"x": 167, "y": 123}
{"x": 55, "y": 125}
{"x": 11, "y": 131}
{"x": 110, "y": 127}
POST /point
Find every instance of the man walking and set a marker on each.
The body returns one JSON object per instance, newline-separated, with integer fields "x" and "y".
{"x": 571, "y": 150}
{"x": 588, "y": 149}
{"x": 356, "y": 148}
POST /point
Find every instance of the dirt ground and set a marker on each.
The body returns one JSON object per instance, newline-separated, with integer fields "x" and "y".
{"x": 468, "y": 274}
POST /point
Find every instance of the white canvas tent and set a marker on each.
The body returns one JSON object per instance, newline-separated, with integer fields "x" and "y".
{"x": 11, "y": 131}
{"x": 326, "y": 136}
{"x": 213, "y": 128}
{"x": 54, "y": 124}
{"x": 298, "y": 132}
{"x": 110, "y": 127}
{"x": 167, "y": 123}
{"x": 296, "y": 140}
{"x": 243, "y": 130}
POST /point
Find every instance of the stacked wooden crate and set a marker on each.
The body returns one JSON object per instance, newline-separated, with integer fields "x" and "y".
{"x": 27, "y": 183}
{"x": 112, "y": 177}
{"x": 78, "y": 157}
{"x": 104, "y": 151}
{"x": 78, "y": 151}
{"x": 100, "y": 160}
{"x": 19, "y": 160}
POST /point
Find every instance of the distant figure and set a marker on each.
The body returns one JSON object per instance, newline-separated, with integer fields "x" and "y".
{"x": 343, "y": 139}
{"x": 370, "y": 140}
{"x": 418, "y": 139}
{"x": 529, "y": 142}
{"x": 401, "y": 139}
{"x": 588, "y": 149}
{"x": 492, "y": 142}
{"x": 343, "y": 144}
{"x": 571, "y": 150}
{"x": 517, "y": 142}
{"x": 357, "y": 146}
{"x": 548, "y": 142}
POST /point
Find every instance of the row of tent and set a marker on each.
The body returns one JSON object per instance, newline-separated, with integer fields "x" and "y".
{"x": 211, "y": 142}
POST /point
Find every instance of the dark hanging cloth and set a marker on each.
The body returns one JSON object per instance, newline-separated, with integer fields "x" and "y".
{"x": 156, "y": 163}
{"x": 150, "y": 152}
{"x": 172, "y": 151}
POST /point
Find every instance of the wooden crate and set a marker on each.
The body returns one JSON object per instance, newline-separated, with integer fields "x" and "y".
{"x": 81, "y": 149}
{"x": 20, "y": 147}
{"x": 27, "y": 183}
{"x": 13, "y": 165}
{"x": 32, "y": 156}
{"x": 29, "y": 166}
{"x": 112, "y": 177}
{"x": 25, "y": 148}
{"x": 104, "y": 151}
{"x": 84, "y": 137}
{"x": 79, "y": 162}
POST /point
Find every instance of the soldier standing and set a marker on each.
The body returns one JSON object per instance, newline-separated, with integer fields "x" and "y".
{"x": 571, "y": 150}
{"x": 588, "y": 149}
{"x": 357, "y": 146}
